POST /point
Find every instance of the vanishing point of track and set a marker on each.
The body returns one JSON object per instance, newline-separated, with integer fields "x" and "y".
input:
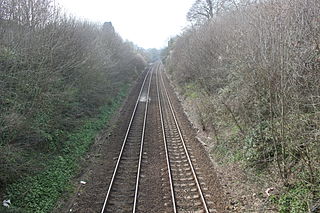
{"x": 187, "y": 191}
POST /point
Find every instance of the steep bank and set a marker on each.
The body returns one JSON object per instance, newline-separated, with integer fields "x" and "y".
{"x": 61, "y": 79}
{"x": 250, "y": 73}
{"x": 245, "y": 191}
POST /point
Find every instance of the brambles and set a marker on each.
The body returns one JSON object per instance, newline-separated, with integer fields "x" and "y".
{"x": 46, "y": 186}
{"x": 55, "y": 74}
{"x": 256, "y": 66}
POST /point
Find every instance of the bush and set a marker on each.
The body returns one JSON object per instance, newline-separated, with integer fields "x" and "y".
{"x": 256, "y": 65}
{"x": 56, "y": 73}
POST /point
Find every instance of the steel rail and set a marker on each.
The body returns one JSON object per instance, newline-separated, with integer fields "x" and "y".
{"x": 166, "y": 148}
{"x": 141, "y": 147}
{"x": 185, "y": 149}
{"x": 124, "y": 142}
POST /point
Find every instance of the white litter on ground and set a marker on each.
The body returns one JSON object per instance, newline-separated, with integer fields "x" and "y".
{"x": 6, "y": 203}
{"x": 269, "y": 191}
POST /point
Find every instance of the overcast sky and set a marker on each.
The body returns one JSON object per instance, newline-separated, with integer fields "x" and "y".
{"x": 147, "y": 23}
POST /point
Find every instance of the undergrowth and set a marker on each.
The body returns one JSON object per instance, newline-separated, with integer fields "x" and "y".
{"x": 298, "y": 197}
{"x": 40, "y": 192}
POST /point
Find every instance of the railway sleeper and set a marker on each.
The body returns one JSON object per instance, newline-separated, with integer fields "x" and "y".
{"x": 190, "y": 190}
{"x": 175, "y": 153}
{"x": 181, "y": 170}
{"x": 188, "y": 204}
{"x": 183, "y": 179}
{"x": 185, "y": 174}
{"x": 183, "y": 185}
{"x": 196, "y": 196}
{"x": 179, "y": 157}
{"x": 180, "y": 161}
{"x": 185, "y": 165}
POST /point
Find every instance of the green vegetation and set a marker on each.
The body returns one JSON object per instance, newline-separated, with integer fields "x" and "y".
{"x": 295, "y": 199}
{"x": 40, "y": 192}
{"x": 251, "y": 70}
{"x": 60, "y": 81}
{"x": 190, "y": 90}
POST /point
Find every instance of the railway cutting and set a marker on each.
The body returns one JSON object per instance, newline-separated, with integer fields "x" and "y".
{"x": 157, "y": 164}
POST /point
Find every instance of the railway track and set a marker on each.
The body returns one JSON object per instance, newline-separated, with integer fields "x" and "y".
{"x": 123, "y": 188}
{"x": 187, "y": 191}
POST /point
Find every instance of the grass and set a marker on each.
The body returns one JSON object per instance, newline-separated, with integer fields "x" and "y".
{"x": 293, "y": 199}
{"x": 40, "y": 192}
{"x": 296, "y": 199}
{"x": 190, "y": 90}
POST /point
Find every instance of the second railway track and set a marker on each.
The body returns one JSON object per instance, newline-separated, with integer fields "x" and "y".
{"x": 187, "y": 187}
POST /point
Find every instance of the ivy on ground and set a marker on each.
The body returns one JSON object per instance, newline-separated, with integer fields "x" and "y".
{"x": 39, "y": 193}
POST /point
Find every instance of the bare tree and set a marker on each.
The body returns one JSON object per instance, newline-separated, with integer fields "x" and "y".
{"x": 256, "y": 66}
{"x": 54, "y": 70}
{"x": 203, "y": 10}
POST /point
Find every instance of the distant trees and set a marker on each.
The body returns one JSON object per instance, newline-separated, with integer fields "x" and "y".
{"x": 256, "y": 66}
{"x": 153, "y": 54}
{"x": 54, "y": 71}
